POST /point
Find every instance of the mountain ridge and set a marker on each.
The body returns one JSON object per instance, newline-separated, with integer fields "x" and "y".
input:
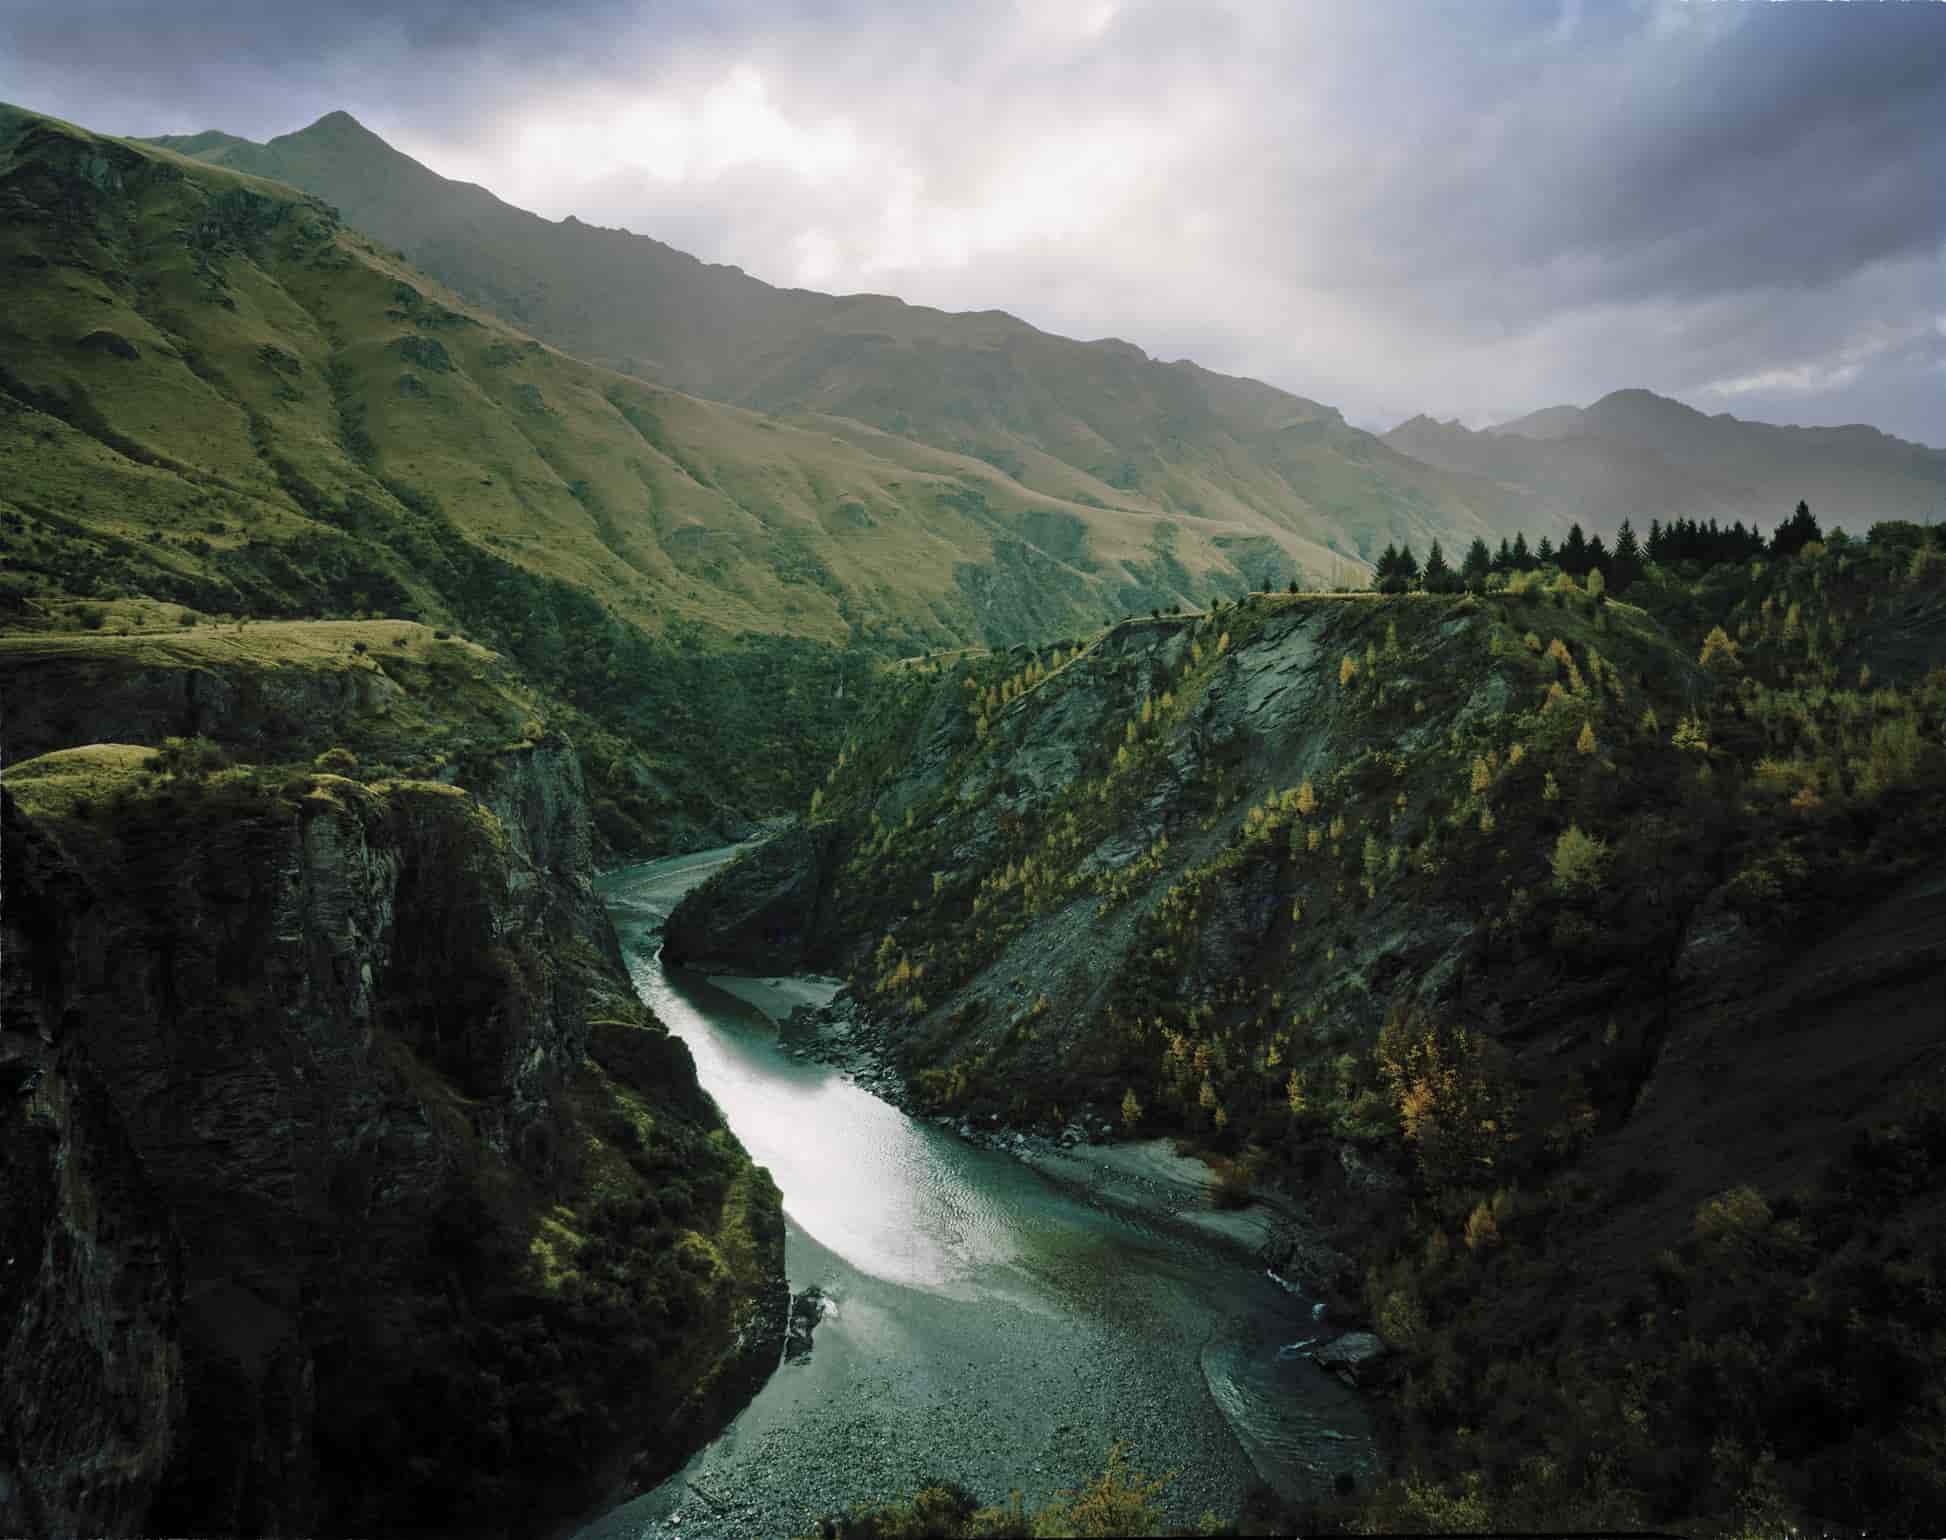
{"x": 1637, "y": 455}
{"x": 1606, "y": 407}
{"x": 1099, "y": 422}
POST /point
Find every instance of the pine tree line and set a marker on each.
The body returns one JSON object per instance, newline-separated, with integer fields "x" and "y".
{"x": 1398, "y": 571}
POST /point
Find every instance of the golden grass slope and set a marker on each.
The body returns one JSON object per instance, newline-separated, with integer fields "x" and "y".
{"x": 195, "y": 360}
{"x": 401, "y": 696}
{"x": 1097, "y": 423}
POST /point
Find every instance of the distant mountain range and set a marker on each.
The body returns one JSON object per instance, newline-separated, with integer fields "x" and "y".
{"x": 1284, "y": 483}
{"x": 1095, "y": 423}
{"x": 1634, "y": 454}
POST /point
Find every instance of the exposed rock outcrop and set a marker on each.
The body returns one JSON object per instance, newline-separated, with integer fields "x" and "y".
{"x": 1356, "y": 1358}
{"x": 761, "y": 913}
{"x": 294, "y": 1073}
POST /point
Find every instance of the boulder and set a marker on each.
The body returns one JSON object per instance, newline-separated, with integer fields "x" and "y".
{"x": 1355, "y": 1357}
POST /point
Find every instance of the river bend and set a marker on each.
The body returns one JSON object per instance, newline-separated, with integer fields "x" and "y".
{"x": 985, "y": 1323}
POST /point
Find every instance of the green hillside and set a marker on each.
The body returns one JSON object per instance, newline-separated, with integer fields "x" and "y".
{"x": 217, "y": 398}
{"x": 1097, "y": 423}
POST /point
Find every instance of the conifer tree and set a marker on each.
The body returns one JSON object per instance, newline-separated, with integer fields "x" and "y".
{"x": 1626, "y": 565}
{"x": 1385, "y": 571}
{"x": 1574, "y": 552}
{"x": 1578, "y": 860}
{"x": 1523, "y": 560}
{"x": 1544, "y": 556}
{"x": 1479, "y": 562}
{"x": 1439, "y": 578}
{"x": 1796, "y": 532}
{"x": 1503, "y": 560}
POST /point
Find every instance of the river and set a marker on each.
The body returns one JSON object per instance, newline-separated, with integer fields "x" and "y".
{"x": 985, "y": 1323}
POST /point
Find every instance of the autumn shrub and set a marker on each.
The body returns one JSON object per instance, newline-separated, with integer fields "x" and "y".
{"x": 1453, "y": 1096}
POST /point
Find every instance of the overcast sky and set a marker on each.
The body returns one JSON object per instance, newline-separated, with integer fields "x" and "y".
{"x": 1470, "y": 209}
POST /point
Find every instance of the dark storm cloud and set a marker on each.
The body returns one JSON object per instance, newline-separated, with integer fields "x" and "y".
{"x": 1793, "y": 145}
{"x": 1389, "y": 206}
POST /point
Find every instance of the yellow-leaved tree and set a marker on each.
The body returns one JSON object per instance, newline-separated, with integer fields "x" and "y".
{"x": 1119, "y": 1501}
{"x": 1690, "y": 735}
{"x": 1452, "y": 1094}
{"x": 1719, "y": 653}
{"x": 1481, "y": 1231}
{"x": 1579, "y": 860}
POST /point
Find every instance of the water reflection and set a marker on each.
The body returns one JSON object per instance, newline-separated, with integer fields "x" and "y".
{"x": 991, "y": 1325}
{"x": 889, "y": 1195}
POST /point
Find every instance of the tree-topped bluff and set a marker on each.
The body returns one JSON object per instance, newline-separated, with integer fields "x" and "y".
{"x": 350, "y": 1188}
{"x": 1578, "y": 958}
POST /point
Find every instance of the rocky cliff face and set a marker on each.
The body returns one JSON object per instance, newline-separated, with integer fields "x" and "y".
{"x": 300, "y": 1075}
{"x": 1588, "y": 994}
{"x": 1210, "y": 852}
{"x": 766, "y": 912}
{"x": 1054, "y": 837}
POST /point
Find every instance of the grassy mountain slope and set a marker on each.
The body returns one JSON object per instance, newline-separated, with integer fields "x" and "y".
{"x": 1093, "y": 422}
{"x": 214, "y": 396}
{"x": 1582, "y": 957}
{"x": 224, "y": 329}
{"x": 1636, "y": 455}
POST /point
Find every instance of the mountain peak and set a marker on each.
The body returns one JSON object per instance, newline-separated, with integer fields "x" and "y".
{"x": 338, "y": 130}
{"x": 1635, "y": 398}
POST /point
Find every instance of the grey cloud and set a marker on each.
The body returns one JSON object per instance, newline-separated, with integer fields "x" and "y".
{"x": 1385, "y": 204}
